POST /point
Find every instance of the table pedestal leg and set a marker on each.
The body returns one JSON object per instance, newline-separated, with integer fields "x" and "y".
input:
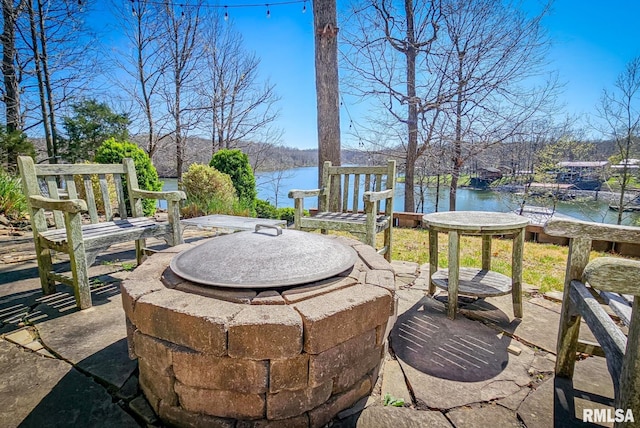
{"x": 433, "y": 259}
{"x": 516, "y": 273}
{"x": 454, "y": 273}
{"x": 486, "y": 252}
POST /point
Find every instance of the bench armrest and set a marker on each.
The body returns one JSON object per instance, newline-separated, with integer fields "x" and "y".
{"x": 295, "y": 194}
{"x": 613, "y": 274}
{"x": 72, "y": 206}
{"x": 378, "y": 196}
{"x": 168, "y": 195}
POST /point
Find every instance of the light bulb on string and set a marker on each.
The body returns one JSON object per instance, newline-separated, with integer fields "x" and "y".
{"x": 268, "y": 11}
{"x": 226, "y": 13}
{"x": 304, "y": 7}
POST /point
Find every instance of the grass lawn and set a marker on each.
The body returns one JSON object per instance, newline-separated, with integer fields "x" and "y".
{"x": 543, "y": 264}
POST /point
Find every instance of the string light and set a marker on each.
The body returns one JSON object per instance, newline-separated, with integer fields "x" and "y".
{"x": 225, "y": 6}
{"x": 352, "y": 124}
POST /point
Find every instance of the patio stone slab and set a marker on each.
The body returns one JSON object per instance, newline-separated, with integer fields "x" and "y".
{"x": 561, "y": 402}
{"x": 491, "y": 415}
{"x": 394, "y": 383}
{"x": 94, "y": 339}
{"x": 538, "y": 327}
{"x": 36, "y": 391}
{"x": 391, "y": 417}
{"x": 455, "y": 363}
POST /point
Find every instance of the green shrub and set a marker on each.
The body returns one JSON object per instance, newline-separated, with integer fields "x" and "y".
{"x": 264, "y": 209}
{"x": 112, "y": 151}
{"x": 236, "y": 164}
{"x": 209, "y": 191}
{"x": 13, "y": 203}
{"x": 287, "y": 214}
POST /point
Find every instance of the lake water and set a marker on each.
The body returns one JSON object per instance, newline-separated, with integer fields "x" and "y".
{"x": 274, "y": 186}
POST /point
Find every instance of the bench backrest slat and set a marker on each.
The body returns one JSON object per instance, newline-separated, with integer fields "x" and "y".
{"x": 104, "y": 191}
{"x": 122, "y": 210}
{"x": 72, "y": 192}
{"x": 352, "y": 186}
{"x": 95, "y": 183}
{"x": 90, "y": 198}
{"x": 51, "y": 184}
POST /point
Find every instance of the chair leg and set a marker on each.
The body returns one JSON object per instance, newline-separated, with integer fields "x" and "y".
{"x": 140, "y": 245}
{"x": 567, "y": 339}
{"x": 78, "y": 260}
{"x": 45, "y": 265}
{"x": 388, "y": 238}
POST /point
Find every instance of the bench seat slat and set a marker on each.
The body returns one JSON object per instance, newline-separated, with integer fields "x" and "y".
{"x": 351, "y": 221}
{"x": 116, "y": 228}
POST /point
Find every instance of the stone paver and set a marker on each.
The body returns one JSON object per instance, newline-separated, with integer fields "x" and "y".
{"x": 94, "y": 339}
{"x": 538, "y": 327}
{"x": 559, "y": 401}
{"x": 455, "y": 363}
{"x": 491, "y": 415}
{"x": 392, "y": 417}
{"x": 37, "y": 391}
{"x": 394, "y": 382}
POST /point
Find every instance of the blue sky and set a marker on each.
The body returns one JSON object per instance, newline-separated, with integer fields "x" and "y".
{"x": 592, "y": 43}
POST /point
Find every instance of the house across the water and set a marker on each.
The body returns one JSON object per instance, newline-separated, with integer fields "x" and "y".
{"x": 583, "y": 175}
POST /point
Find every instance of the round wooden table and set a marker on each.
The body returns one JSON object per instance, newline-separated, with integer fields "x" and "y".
{"x": 470, "y": 281}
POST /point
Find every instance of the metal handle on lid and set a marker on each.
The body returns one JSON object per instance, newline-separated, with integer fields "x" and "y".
{"x": 269, "y": 226}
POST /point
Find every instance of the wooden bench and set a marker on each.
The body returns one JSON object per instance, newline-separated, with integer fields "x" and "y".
{"x": 615, "y": 281}
{"x": 363, "y": 217}
{"x": 52, "y": 188}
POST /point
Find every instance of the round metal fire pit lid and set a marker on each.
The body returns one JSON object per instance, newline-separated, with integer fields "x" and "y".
{"x": 266, "y": 258}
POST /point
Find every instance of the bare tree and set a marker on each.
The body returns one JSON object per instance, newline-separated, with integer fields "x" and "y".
{"x": 620, "y": 111}
{"x": 57, "y": 62}
{"x": 144, "y": 64}
{"x": 240, "y": 107}
{"x": 490, "y": 54}
{"x": 182, "y": 43}
{"x": 475, "y": 71}
{"x": 386, "y": 46}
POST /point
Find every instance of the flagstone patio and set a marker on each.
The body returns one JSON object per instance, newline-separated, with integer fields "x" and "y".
{"x": 64, "y": 367}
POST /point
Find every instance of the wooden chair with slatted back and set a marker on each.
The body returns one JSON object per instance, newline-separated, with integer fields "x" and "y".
{"x": 79, "y": 230}
{"x": 366, "y": 203}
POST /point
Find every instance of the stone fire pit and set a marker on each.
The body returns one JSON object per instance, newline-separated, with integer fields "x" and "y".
{"x": 293, "y": 358}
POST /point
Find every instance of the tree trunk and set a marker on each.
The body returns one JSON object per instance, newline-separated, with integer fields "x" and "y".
{"x": 51, "y": 149}
{"x": 412, "y": 114}
{"x": 327, "y": 92}
{"x": 47, "y": 82}
{"x": 457, "y": 144}
{"x": 12, "y": 91}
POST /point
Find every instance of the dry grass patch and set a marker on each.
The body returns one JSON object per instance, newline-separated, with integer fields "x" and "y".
{"x": 543, "y": 264}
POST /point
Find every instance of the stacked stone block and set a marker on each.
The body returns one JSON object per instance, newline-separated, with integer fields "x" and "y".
{"x": 227, "y": 358}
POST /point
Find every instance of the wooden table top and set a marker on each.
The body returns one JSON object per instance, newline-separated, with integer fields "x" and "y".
{"x": 476, "y": 221}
